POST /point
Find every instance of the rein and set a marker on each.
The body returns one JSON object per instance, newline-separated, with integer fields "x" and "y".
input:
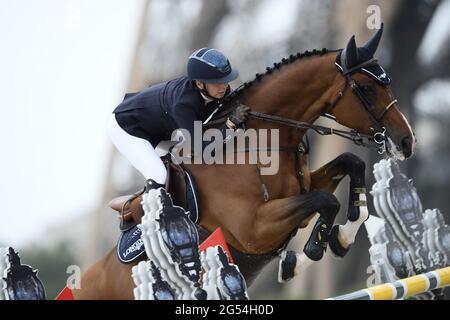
{"x": 354, "y": 136}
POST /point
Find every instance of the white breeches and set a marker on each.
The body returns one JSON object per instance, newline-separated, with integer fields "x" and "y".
{"x": 139, "y": 152}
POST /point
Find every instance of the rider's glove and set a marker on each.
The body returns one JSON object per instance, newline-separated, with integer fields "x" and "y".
{"x": 240, "y": 115}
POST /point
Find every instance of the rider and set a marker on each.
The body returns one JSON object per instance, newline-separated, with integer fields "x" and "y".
{"x": 147, "y": 117}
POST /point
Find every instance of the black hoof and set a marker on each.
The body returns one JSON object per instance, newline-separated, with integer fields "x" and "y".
{"x": 287, "y": 265}
{"x": 315, "y": 250}
{"x": 335, "y": 246}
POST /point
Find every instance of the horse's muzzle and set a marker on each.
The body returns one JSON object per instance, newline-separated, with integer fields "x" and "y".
{"x": 407, "y": 145}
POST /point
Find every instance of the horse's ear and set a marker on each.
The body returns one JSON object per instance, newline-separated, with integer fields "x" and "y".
{"x": 351, "y": 53}
{"x": 373, "y": 43}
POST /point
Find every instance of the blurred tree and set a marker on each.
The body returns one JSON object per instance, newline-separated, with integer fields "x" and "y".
{"x": 407, "y": 32}
{"x": 212, "y": 14}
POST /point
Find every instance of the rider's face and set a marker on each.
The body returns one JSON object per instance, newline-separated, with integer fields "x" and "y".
{"x": 215, "y": 90}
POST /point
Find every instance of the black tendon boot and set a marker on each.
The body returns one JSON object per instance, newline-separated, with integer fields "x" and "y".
{"x": 317, "y": 242}
{"x": 354, "y": 201}
{"x": 357, "y": 187}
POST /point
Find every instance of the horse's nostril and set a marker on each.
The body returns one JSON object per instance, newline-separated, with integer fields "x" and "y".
{"x": 407, "y": 146}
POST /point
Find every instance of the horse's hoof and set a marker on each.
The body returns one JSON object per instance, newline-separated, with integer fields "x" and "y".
{"x": 287, "y": 265}
{"x": 314, "y": 251}
{"x": 335, "y": 246}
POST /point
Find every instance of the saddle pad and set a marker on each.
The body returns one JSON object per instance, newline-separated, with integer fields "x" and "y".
{"x": 130, "y": 245}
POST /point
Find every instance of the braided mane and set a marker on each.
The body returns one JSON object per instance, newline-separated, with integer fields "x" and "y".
{"x": 277, "y": 65}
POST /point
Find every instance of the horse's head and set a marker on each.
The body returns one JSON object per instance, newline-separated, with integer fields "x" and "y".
{"x": 367, "y": 103}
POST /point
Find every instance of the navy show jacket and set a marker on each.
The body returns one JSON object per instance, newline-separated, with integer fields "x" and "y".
{"x": 155, "y": 112}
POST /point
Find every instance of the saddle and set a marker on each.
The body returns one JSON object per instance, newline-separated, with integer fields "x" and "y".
{"x": 180, "y": 185}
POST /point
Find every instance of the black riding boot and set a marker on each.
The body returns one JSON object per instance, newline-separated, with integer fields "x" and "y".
{"x": 151, "y": 184}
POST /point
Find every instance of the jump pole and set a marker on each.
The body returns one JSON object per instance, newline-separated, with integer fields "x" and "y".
{"x": 403, "y": 288}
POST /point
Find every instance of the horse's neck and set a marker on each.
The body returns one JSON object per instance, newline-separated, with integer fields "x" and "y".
{"x": 298, "y": 91}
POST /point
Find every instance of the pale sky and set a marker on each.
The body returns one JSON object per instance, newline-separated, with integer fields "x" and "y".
{"x": 63, "y": 67}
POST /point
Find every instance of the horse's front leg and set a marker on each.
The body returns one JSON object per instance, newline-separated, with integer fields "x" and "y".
{"x": 327, "y": 178}
{"x": 280, "y": 217}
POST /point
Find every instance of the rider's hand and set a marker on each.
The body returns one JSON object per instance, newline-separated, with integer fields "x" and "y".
{"x": 240, "y": 115}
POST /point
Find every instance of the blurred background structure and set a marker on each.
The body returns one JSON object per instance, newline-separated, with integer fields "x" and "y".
{"x": 65, "y": 65}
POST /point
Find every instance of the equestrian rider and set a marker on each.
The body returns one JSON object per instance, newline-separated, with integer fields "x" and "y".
{"x": 147, "y": 117}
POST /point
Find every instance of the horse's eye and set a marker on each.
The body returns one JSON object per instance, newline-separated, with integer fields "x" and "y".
{"x": 369, "y": 90}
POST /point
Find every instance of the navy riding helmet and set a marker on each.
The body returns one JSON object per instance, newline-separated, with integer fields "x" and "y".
{"x": 210, "y": 66}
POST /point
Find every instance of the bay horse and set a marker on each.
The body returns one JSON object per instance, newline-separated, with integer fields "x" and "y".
{"x": 347, "y": 85}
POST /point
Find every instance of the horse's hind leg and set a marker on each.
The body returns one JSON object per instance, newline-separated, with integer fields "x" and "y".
{"x": 327, "y": 178}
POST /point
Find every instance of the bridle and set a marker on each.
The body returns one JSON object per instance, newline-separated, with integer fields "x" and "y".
{"x": 379, "y": 131}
